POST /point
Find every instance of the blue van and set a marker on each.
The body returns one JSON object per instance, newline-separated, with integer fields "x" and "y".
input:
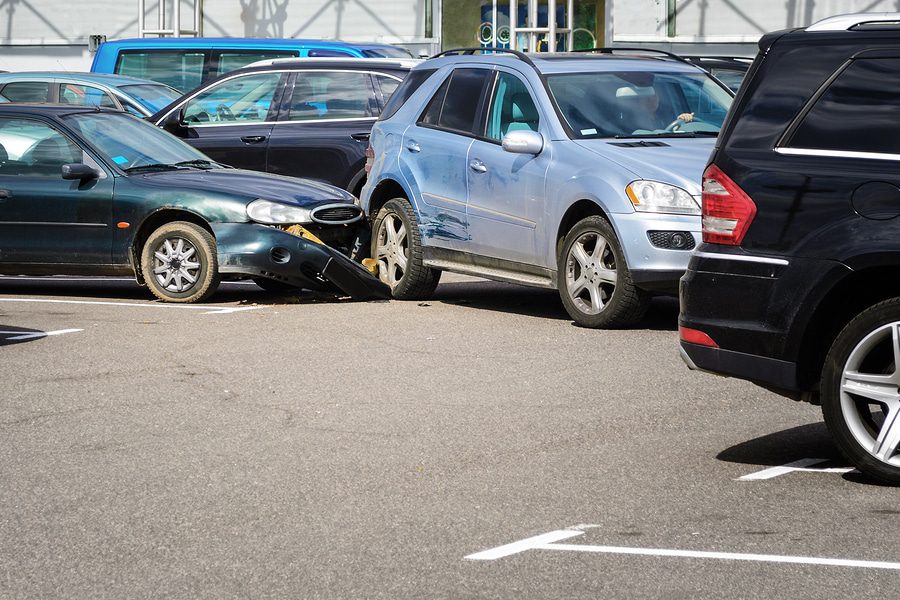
{"x": 185, "y": 63}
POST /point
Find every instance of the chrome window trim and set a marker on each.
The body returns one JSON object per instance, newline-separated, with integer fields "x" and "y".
{"x": 837, "y": 153}
{"x": 743, "y": 258}
{"x": 338, "y": 120}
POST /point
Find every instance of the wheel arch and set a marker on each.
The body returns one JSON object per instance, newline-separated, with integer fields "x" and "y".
{"x": 576, "y": 212}
{"x": 386, "y": 189}
{"x": 154, "y": 221}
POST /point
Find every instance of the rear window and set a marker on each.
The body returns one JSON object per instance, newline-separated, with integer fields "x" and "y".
{"x": 179, "y": 69}
{"x": 858, "y": 112}
{"x": 409, "y": 86}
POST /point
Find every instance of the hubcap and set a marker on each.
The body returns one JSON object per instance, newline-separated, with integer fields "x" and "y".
{"x": 174, "y": 267}
{"x": 591, "y": 273}
{"x": 392, "y": 250}
{"x": 870, "y": 393}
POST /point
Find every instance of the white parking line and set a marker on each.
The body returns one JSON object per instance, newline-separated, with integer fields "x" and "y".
{"x": 36, "y": 334}
{"x": 546, "y": 542}
{"x": 802, "y": 465}
{"x": 88, "y": 278}
{"x": 210, "y": 310}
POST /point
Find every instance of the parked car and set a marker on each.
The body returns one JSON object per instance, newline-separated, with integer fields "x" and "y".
{"x": 299, "y": 117}
{"x": 730, "y": 70}
{"x": 795, "y": 286}
{"x": 570, "y": 171}
{"x": 185, "y": 63}
{"x": 139, "y": 97}
{"x": 95, "y": 191}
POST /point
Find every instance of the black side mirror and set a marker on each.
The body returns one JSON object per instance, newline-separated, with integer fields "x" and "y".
{"x": 79, "y": 171}
{"x": 174, "y": 123}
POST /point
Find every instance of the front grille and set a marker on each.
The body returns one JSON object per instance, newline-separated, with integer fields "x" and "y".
{"x": 336, "y": 214}
{"x": 672, "y": 240}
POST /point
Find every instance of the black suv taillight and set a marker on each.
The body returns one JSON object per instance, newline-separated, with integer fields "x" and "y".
{"x": 727, "y": 209}
{"x": 370, "y": 158}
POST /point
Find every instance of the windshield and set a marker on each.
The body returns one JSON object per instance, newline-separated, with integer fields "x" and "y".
{"x": 131, "y": 142}
{"x": 387, "y": 52}
{"x": 639, "y": 103}
{"x": 151, "y": 96}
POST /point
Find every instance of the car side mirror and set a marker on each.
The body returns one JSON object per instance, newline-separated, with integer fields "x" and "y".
{"x": 79, "y": 171}
{"x": 174, "y": 123}
{"x": 523, "y": 142}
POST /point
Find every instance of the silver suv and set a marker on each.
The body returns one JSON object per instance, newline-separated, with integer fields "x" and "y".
{"x": 577, "y": 171}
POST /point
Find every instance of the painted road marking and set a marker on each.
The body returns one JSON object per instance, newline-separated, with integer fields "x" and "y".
{"x": 546, "y": 542}
{"x": 210, "y": 310}
{"x": 802, "y": 465}
{"x": 36, "y": 334}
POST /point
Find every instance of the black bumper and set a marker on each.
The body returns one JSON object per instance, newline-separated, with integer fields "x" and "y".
{"x": 260, "y": 251}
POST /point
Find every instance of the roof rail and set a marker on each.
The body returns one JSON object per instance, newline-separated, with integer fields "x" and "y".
{"x": 610, "y": 50}
{"x": 847, "y": 22}
{"x": 471, "y": 51}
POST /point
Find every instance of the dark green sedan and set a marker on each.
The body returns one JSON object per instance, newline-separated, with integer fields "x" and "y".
{"x": 93, "y": 191}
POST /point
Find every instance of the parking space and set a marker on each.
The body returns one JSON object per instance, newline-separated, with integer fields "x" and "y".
{"x": 312, "y": 448}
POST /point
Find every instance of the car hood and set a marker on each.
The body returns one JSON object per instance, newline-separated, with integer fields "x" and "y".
{"x": 675, "y": 161}
{"x": 248, "y": 185}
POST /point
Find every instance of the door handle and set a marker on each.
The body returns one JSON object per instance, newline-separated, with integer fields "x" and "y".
{"x": 477, "y": 166}
{"x": 413, "y": 147}
{"x": 253, "y": 139}
{"x": 360, "y": 137}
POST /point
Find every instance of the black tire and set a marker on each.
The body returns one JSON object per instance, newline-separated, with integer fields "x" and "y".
{"x": 274, "y": 286}
{"x": 205, "y": 274}
{"x": 620, "y": 303}
{"x": 864, "y": 346}
{"x": 414, "y": 281}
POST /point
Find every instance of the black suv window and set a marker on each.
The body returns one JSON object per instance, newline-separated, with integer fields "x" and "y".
{"x": 410, "y": 84}
{"x": 455, "y": 105}
{"x": 858, "y": 112}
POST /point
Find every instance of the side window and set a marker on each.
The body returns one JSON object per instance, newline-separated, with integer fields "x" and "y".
{"x": 84, "y": 95}
{"x": 322, "y": 53}
{"x": 457, "y": 110}
{"x": 388, "y": 85}
{"x": 32, "y": 148}
{"x": 180, "y": 69}
{"x": 512, "y": 108}
{"x": 331, "y": 95}
{"x": 26, "y": 91}
{"x": 858, "y": 112}
{"x": 413, "y": 81}
{"x": 244, "y": 99}
{"x": 229, "y": 61}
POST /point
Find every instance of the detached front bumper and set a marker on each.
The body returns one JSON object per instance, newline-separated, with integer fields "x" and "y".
{"x": 261, "y": 251}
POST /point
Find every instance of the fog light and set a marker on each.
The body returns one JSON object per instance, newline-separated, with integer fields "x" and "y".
{"x": 672, "y": 240}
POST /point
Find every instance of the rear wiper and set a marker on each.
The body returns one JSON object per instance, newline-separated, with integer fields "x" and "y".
{"x": 152, "y": 167}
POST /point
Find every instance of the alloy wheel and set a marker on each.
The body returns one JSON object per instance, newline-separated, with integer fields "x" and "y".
{"x": 591, "y": 273}
{"x": 392, "y": 250}
{"x": 175, "y": 266}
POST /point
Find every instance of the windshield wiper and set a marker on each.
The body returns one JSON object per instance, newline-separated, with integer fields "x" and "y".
{"x": 153, "y": 167}
{"x": 667, "y": 134}
{"x": 198, "y": 162}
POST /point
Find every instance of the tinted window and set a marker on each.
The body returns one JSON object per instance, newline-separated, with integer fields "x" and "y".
{"x": 180, "y": 69}
{"x": 321, "y": 52}
{"x": 35, "y": 149}
{"x": 244, "y": 99}
{"x": 858, "y": 112}
{"x": 388, "y": 85}
{"x": 455, "y": 105}
{"x": 410, "y": 84}
{"x": 331, "y": 95}
{"x": 432, "y": 113}
{"x": 229, "y": 61}
{"x": 512, "y": 108}
{"x": 84, "y": 95}
{"x": 151, "y": 96}
{"x": 26, "y": 91}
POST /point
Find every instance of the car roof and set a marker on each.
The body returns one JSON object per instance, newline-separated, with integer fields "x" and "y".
{"x": 574, "y": 62}
{"x": 98, "y": 78}
{"x": 213, "y": 42}
{"x": 318, "y": 62}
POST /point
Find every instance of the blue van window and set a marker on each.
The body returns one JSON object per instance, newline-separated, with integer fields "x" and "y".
{"x": 181, "y": 70}
{"x": 323, "y": 53}
{"x": 229, "y": 61}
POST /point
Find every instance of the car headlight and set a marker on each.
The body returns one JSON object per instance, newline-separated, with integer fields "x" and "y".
{"x": 276, "y": 213}
{"x": 653, "y": 196}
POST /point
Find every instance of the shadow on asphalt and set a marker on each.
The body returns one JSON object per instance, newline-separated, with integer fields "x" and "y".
{"x": 535, "y": 302}
{"x": 782, "y": 447}
{"x": 124, "y": 289}
{"x": 10, "y": 335}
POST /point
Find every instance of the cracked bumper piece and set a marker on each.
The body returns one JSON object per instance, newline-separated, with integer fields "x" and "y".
{"x": 260, "y": 251}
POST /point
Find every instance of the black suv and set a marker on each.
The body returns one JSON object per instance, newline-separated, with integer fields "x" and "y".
{"x": 304, "y": 117}
{"x": 797, "y": 284}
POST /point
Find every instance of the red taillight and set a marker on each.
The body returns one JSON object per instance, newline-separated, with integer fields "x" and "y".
{"x": 370, "y": 158}
{"x": 727, "y": 209}
{"x": 695, "y": 336}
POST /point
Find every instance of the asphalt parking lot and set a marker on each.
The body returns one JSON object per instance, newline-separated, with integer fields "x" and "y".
{"x": 271, "y": 446}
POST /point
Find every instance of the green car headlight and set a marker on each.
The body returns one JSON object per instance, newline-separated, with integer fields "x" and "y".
{"x": 276, "y": 213}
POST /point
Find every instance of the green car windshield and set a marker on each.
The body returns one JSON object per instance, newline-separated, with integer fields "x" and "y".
{"x": 130, "y": 142}
{"x": 640, "y": 103}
